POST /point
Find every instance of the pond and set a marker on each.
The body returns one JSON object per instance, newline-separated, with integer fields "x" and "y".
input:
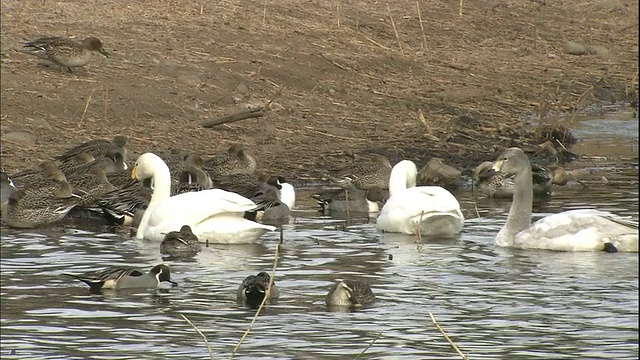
{"x": 494, "y": 303}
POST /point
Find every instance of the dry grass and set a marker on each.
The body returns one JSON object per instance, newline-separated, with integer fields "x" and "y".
{"x": 178, "y": 63}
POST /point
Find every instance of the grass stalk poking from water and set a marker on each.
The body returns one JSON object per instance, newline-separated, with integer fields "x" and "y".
{"x": 368, "y": 346}
{"x": 453, "y": 345}
{"x": 206, "y": 342}
{"x": 264, "y": 300}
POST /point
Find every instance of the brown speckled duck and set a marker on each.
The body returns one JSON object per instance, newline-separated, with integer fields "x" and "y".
{"x": 234, "y": 161}
{"x": 65, "y": 52}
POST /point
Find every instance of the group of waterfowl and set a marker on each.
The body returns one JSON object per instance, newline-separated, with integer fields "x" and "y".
{"x": 177, "y": 198}
{"x": 181, "y": 200}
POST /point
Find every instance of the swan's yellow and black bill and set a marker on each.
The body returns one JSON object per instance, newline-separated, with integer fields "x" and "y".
{"x": 133, "y": 172}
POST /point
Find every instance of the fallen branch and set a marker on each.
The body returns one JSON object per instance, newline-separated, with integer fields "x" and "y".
{"x": 241, "y": 115}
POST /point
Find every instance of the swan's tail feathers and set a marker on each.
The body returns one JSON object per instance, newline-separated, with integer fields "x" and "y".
{"x": 440, "y": 224}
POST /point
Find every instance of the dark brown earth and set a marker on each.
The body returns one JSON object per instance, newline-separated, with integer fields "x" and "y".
{"x": 340, "y": 79}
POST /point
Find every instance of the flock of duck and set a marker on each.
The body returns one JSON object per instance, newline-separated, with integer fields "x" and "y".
{"x": 181, "y": 200}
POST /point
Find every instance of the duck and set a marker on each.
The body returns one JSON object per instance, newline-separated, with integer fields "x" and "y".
{"x": 259, "y": 187}
{"x": 352, "y": 201}
{"x": 63, "y": 51}
{"x": 120, "y": 277}
{"x": 180, "y": 244}
{"x": 93, "y": 183}
{"x": 572, "y": 230}
{"x": 244, "y": 184}
{"x": 498, "y": 186}
{"x": 7, "y": 188}
{"x": 214, "y": 215}
{"x": 186, "y": 172}
{"x": 98, "y": 148}
{"x": 234, "y": 161}
{"x": 31, "y": 209}
{"x": 112, "y": 163}
{"x": 350, "y": 293}
{"x": 254, "y": 288}
{"x": 34, "y": 177}
{"x": 191, "y": 179}
{"x": 75, "y": 162}
{"x": 124, "y": 206}
{"x": 276, "y": 198}
{"x": 365, "y": 175}
{"x": 431, "y": 209}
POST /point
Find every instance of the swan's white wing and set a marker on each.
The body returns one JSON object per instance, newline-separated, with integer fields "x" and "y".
{"x": 214, "y": 215}
{"x": 195, "y": 207}
{"x": 580, "y": 230}
{"x": 436, "y": 207}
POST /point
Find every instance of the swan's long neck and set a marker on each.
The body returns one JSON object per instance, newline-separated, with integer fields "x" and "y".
{"x": 403, "y": 176}
{"x": 161, "y": 180}
{"x": 287, "y": 195}
{"x": 519, "y": 217}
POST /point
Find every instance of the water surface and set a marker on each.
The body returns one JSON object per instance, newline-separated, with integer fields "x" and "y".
{"x": 495, "y": 303}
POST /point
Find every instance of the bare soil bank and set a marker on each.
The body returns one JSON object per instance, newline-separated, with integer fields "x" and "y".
{"x": 355, "y": 77}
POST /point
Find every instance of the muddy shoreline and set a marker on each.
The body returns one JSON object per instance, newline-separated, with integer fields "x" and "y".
{"x": 451, "y": 86}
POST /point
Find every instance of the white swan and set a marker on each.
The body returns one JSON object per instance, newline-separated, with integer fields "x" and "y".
{"x": 573, "y": 230}
{"x": 214, "y": 215}
{"x": 435, "y": 209}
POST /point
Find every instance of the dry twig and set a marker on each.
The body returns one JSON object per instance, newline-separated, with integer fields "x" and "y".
{"x": 395, "y": 30}
{"x": 264, "y": 300}
{"x": 453, "y": 345}
{"x": 206, "y": 342}
{"x": 369, "y": 346}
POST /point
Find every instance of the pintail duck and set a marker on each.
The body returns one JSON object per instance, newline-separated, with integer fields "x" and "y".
{"x": 30, "y": 209}
{"x": 191, "y": 179}
{"x": 214, "y": 215}
{"x": 125, "y": 206}
{"x": 364, "y": 175}
{"x": 253, "y": 290}
{"x": 190, "y": 176}
{"x": 98, "y": 148}
{"x": 234, "y": 161}
{"x": 64, "y": 51}
{"x": 573, "y": 230}
{"x": 410, "y": 209}
{"x": 275, "y": 199}
{"x": 7, "y": 187}
{"x": 356, "y": 201}
{"x": 125, "y": 278}
{"x": 259, "y": 187}
{"x": 350, "y": 293}
{"x": 94, "y": 183}
{"x": 186, "y": 172}
{"x": 112, "y": 163}
{"x": 497, "y": 185}
{"x": 75, "y": 162}
{"x": 246, "y": 185}
{"x": 45, "y": 200}
{"x": 180, "y": 244}
{"x": 36, "y": 176}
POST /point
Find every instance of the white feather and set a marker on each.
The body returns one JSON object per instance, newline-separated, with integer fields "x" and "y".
{"x": 213, "y": 215}
{"x": 435, "y": 209}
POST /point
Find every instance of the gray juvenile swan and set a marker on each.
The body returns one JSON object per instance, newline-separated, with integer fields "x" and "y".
{"x": 573, "y": 230}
